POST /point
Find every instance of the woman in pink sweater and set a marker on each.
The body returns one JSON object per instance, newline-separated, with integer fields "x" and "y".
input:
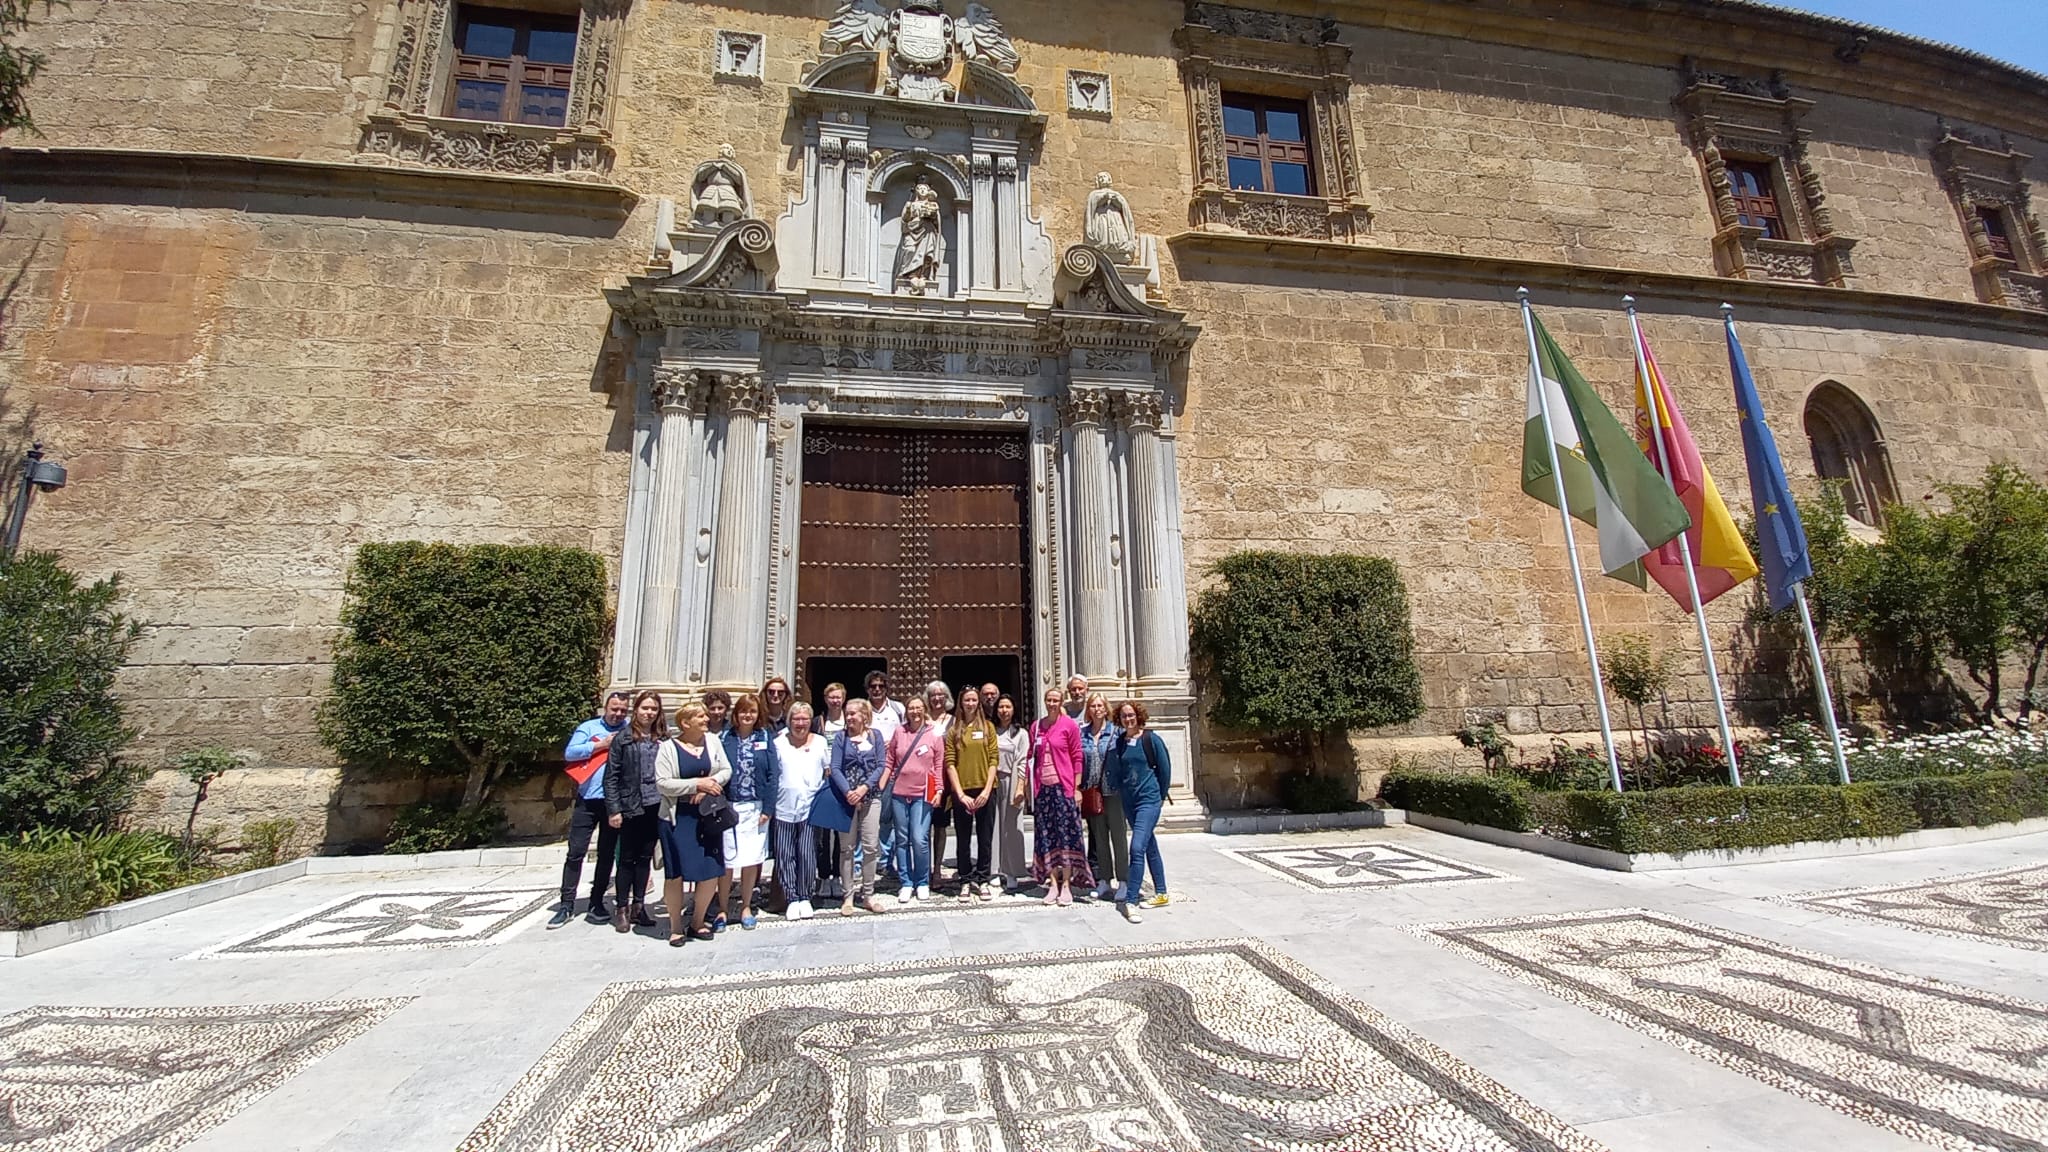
{"x": 1058, "y": 857}
{"x": 917, "y": 759}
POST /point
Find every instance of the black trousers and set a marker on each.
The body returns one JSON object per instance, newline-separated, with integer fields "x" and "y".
{"x": 586, "y": 817}
{"x": 636, "y": 854}
{"x": 976, "y": 830}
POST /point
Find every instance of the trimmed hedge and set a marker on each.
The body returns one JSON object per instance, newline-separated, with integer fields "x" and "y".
{"x": 1680, "y": 820}
{"x": 1495, "y": 801}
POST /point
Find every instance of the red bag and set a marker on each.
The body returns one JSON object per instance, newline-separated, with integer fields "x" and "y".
{"x": 582, "y": 770}
{"x": 1091, "y": 801}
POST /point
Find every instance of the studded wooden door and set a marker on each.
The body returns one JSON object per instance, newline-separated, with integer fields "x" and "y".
{"x": 914, "y": 549}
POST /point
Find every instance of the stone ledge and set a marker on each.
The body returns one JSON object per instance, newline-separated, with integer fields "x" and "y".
{"x": 99, "y": 170}
{"x": 1257, "y": 823}
{"x": 1724, "y": 857}
{"x": 1503, "y": 274}
{"x": 29, "y": 941}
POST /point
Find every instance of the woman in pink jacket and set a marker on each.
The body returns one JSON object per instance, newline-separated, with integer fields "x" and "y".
{"x": 1058, "y": 857}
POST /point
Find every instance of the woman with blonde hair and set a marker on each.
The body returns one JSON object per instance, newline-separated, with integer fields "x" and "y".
{"x": 851, "y": 805}
{"x": 689, "y": 768}
{"x": 917, "y": 769}
{"x": 1102, "y": 807}
{"x": 632, "y": 802}
{"x": 1055, "y": 768}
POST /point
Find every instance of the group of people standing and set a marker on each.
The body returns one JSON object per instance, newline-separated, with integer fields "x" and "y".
{"x": 761, "y": 799}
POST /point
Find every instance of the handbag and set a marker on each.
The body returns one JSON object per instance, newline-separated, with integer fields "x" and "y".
{"x": 1091, "y": 801}
{"x": 715, "y": 817}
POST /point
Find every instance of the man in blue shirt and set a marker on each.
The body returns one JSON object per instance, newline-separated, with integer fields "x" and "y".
{"x": 589, "y": 815}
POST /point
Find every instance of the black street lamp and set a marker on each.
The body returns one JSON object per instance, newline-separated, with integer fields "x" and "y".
{"x": 37, "y": 475}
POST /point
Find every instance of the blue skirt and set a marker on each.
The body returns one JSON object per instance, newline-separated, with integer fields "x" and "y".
{"x": 682, "y": 858}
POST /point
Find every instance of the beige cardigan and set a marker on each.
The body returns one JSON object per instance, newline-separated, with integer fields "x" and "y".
{"x": 674, "y": 787}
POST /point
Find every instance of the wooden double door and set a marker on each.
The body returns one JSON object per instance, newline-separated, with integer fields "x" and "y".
{"x": 914, "y": 558}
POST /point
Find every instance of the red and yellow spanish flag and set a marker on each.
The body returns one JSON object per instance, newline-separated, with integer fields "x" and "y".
{"x": 1720, "y": 559}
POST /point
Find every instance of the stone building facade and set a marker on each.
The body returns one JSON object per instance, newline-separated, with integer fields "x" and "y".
{"x": 815, "y": 318}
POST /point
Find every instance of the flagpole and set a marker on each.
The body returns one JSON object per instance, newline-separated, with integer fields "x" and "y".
{"x": 1692, "y": 584}
{"x": 1820, "y": 674}
{"x": 1571, "y": 546}
{"x": 1820, "y": 682}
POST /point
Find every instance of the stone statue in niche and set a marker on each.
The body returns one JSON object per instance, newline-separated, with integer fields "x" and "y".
{"x": 921, "y": 40}
{"x": 921, "y": 249}
{"x": 718, "y": 192}
{"x": 1108, "y": 223}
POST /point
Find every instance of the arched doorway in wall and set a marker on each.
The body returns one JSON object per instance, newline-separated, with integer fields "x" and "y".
{"x": 1849, "y": 447}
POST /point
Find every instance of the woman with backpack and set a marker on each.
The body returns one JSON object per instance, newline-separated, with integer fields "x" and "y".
{"x": 1140, "y": 772}
{"x": 688, "y": 770}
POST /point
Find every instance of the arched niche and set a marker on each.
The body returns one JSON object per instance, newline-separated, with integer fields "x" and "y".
{"x": 1849, "y": 447}
{"x": 888, "y": 194}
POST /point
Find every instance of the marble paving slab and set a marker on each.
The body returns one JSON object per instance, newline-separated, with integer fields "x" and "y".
{"x": 151, "y": 1079}
{"x": 1360, "y": 865}
{"x": 1946, "y": 1065}
{"x": 1203, "y": 1047}
{"x": 377, "y": 921}
{"x": 2005, "y": 906}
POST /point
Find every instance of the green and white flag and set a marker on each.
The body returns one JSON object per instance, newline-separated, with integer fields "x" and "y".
{"x": 1608, "y": 481}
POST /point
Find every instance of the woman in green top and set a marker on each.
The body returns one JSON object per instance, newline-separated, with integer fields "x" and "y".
{"x": 973, "y": 757}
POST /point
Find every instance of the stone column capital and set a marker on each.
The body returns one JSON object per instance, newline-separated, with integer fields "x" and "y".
{"x": 1140, "y": 409}
{"x": 745, "y": 393}
{"x": 680, "y": 389}
{"x": 1085, "y": 406}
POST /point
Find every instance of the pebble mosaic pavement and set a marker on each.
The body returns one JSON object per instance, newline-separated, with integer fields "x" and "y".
{"x": 151, "y": 1079}
{"x": 1952, "y": 1067}
{"x": 1201, "y": 1047}
{"x": 1367, "y": 865}
{"x": 386, "y": 920}
{"x": 2006, "y": 906}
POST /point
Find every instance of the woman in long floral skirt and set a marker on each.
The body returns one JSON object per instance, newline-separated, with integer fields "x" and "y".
{"x": 1059, "y": 858}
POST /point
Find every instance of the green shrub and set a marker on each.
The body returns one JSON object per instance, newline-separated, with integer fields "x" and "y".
{"x": 129, "y": 864}
{"x": 1681, "y": 820}
{"x": 1495, "y": 801}
{"x": 1308, "y": 644}
{"x": 465, "y": 661}
{"x": 45, "y": 885}
{"x": 61, "y": 728}
{"x": 1313, "y": 792}
{"x": 267, "y": 843}
{"x": 442, "y": 827}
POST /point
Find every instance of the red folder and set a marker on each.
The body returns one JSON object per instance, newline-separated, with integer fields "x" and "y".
{"x": 582, "y": 770}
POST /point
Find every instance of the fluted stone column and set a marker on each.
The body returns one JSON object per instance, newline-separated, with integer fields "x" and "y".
{"x": 1159, "y": 627}
{"x": 679, "y": 395}
{"x": 1091, "y": 524}
{"x": 739, "y": 548}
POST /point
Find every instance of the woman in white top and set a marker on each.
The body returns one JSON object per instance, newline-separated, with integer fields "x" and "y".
{"x": 805, "y": 757}
{"x": 1012, "y": 856}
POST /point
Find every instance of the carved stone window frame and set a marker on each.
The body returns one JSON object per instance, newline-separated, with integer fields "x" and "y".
{"x": 1272, "y": 54}
{"x": 738, "y": 55}
{"x": 1978, "y": 173}
{"x": 405, "y": 126}
{"x": 1736, "y": 117}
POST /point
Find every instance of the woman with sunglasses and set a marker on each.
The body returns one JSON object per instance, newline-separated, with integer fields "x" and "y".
{"x": 775, "y": 705}
{"x": 1140, "y": 772}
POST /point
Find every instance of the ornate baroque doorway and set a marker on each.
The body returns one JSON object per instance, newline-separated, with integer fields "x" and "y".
{"x": 914, "y": 555}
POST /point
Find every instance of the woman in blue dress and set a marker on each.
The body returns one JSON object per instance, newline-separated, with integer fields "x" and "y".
{"x": 687, "y": 769}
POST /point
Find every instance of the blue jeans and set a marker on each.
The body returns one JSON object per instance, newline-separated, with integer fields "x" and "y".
{"x": 1144, "y": 850}
{"x": 913, "y": 820}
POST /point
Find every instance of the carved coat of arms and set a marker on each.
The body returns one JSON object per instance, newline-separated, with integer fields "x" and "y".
{"x": 919, "y": 40}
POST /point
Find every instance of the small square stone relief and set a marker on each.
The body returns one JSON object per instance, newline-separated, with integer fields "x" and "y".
{"x": 1088, "y": 93}
{"x": 740, "y": 53}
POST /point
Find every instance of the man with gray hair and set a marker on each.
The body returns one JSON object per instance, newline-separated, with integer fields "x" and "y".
{"x": 1077, "y": 697}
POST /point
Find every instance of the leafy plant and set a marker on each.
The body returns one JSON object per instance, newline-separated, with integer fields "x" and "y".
{"x": 1495, "y": 801}
{"x": 46, "y": 884}
{"x": 1637, "y": 674}
{"x": 466, "y": 661}
{"x": 443, "y": 827}
{"x": 1315, "y": 792}
{"x": 202, "y": 767}
{"x": 1312, "y": 645}
{"x": 1491, "y": 741}
{"x": 61, "y": 727}
{"x": 128, "y": 864}
{"x": 267, "y": 843}
{"x": 18, "y": 66}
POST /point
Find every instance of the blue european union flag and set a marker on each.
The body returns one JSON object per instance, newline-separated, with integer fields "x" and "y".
{"x": 1781, "y": 540}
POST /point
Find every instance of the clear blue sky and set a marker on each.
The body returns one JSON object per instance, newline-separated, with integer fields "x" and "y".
{"x": 2015, "y": 31}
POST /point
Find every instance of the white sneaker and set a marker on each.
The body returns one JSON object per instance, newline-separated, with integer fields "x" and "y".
{"x": 924, "y": 891}
{"x": 905, "y": 894}
{"x": 795, "y": 910}
{"x": 1130, "y": 912}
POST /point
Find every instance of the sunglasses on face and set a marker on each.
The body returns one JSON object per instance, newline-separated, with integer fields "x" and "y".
{"x": 777, "y": 692}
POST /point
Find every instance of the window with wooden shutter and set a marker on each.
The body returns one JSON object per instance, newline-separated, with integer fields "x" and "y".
{"x": 1265, "y": 141}
{"x": 1756, "y": 197}
{"x": 1995, "y": 232}
{"x": 512, "y": 66}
